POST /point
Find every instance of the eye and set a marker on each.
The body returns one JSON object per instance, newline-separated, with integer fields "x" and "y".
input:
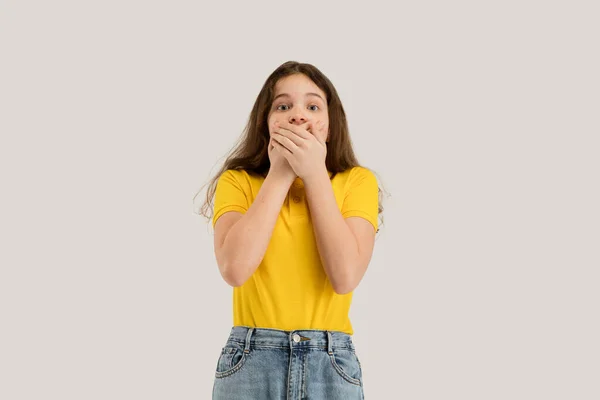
{"x": 313, "y": 105}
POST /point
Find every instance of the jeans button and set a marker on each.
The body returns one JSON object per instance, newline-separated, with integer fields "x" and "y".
{"x": 296, "y": 337}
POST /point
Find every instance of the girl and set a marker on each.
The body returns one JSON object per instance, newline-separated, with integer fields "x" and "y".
{"x": 295, "y": 219}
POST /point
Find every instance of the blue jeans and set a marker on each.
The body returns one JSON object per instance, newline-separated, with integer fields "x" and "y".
{"x": 272, "y": 364}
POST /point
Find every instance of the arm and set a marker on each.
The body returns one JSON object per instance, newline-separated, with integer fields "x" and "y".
{"x": 345, "y": 246}
{"x": 240, "y": 244}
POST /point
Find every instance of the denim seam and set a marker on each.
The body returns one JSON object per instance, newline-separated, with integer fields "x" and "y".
{"x": 231, "y": 371}
{"x": 320, "y": 347}
{"x": 354, "y": 381}
{"x": 305, "y": 355}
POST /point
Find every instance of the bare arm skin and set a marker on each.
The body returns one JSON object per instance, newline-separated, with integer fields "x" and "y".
{"x": 345, "y": 245}
{"x": 241, "y": 240}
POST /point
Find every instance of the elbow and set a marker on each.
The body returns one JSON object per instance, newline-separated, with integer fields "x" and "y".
{"x": 233, "y": 275}
{"x": 344, "y": 287}
{"x": 346, "y": 284}
{"x": 341, "y": 291}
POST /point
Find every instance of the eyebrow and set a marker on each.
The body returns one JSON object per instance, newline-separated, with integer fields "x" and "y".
{"x": 307, "y": 94}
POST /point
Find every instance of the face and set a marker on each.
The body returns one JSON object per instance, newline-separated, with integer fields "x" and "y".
{"x": 297, "y": 100}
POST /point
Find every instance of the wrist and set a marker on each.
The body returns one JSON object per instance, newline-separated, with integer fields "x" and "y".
{"x": 320, "y": 175}
{"x": 283, "y": 177}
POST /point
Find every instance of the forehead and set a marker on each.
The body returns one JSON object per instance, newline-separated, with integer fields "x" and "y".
{"x": 297, "y": 84}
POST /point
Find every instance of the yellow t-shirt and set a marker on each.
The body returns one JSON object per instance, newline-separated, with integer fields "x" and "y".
{"x": 289, "y": 289}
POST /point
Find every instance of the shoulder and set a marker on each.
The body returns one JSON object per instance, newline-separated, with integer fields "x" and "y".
{"x": 360, "y": 172}
{"x": 357, "y": 175}
{"x": 236, "y": 174}
{"x": 241, "y": 176}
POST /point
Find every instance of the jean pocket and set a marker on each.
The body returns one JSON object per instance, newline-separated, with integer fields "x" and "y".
{"x": 230, "y": 361}
{"x": 347, "y": 365}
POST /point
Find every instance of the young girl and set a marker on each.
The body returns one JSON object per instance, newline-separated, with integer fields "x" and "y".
{"x": 295, "y": 219}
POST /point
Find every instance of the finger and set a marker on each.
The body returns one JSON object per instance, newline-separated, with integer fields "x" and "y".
{"x": 319, "y": 128}
{"x": 297, "y": 129}
{"x": 285, "y": 151}
{"x": 319, "y": 124}
{"x": 289, "y": 135}
{"x": 310, "y": 127}
{"x": 285, "y": 141}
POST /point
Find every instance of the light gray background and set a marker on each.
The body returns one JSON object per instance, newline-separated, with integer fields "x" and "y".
{"x": 481, "y": 118}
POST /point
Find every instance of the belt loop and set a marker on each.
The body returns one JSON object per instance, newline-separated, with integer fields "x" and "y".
{"x": 329, "y": 343}
{"x": 247, "y": 346}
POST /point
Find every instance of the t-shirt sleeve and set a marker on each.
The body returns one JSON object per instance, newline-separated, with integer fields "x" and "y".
{"x": 229, "y": 195}
{"x": 362, "y": 196}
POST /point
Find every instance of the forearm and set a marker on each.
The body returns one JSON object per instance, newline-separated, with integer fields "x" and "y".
{"x": 337, "y": 245}
{"x": 247, "y": 240}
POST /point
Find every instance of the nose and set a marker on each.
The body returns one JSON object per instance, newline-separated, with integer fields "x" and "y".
{"x": 297, "y": 119}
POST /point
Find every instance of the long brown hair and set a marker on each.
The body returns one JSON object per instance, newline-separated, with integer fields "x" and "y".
{"x": 251, "y": 153}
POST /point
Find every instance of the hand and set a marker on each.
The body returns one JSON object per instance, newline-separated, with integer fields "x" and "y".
{"x": 304, "y": 150}
{"x": 279, "y": 165}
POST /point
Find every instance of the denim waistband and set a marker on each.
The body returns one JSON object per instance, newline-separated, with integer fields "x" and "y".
{"x": 309, "y": 338}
